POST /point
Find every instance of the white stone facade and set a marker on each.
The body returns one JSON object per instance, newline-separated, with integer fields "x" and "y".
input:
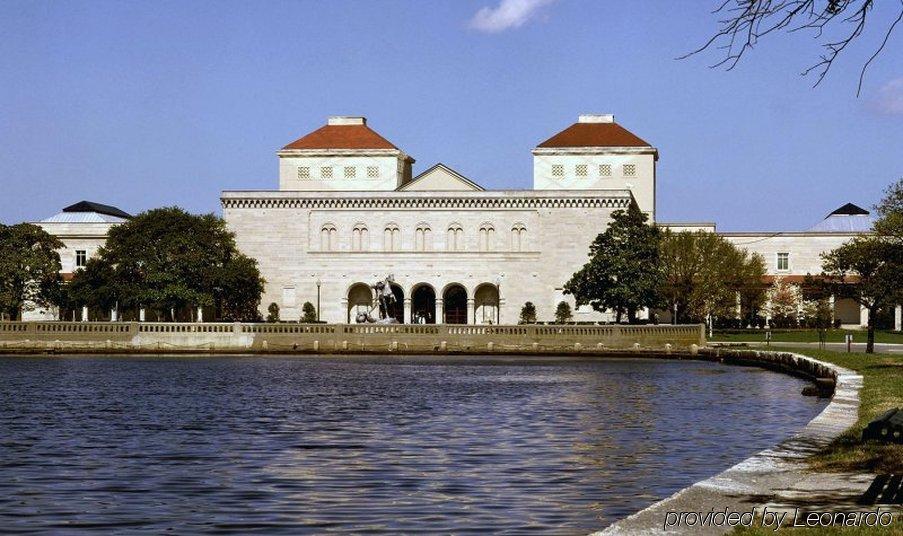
{"x": 518, "y": 246}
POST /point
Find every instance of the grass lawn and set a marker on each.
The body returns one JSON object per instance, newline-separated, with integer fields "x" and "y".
{"x": 807, "y": 335}
{"x": 882, "y": 390}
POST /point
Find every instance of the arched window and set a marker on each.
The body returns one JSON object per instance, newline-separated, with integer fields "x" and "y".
{"x": 392, "y": 238}
{"x": 328, "y": 238}
{"x": 423, "y": 238}
{"x": 454, "y": 239}
{"x": 360, "y": 238}
{"x": 487, "y": 237}
{"x": 518, "y": 237}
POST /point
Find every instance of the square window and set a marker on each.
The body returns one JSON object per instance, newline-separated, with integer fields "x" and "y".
{"x": 557, "y": 170}
{"x": 350, "y": 172}
{"x": 605, "y": 170}
{"x": 326, "y": 172}
{"x": 81, "y": 258}
{"x": 372, "y": 172}
{"x": 303, "y": 172}
{"x": 783, "y": 262}
{"x": 580, "y": 170}
{"x": 629, "y": 170}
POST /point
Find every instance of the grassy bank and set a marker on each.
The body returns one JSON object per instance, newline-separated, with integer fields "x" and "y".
{"x": 806, "y": 335}
{"x": 882, "y": 390}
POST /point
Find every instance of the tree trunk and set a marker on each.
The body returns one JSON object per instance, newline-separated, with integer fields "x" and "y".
{"x": 870, "y": 344}
{"x": 618, "y": 316}
{"x": 631, "y": 316}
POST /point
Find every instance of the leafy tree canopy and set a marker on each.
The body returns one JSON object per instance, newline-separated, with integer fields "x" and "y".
{"x": 168, "y": 259}
{"x": 869, "y": 269}
{"x": 29, "y": 268}
{"x": 622, "y": 274}
{"x": 702, "y": 274}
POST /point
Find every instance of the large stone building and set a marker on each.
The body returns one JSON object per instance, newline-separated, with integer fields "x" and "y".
{"x": 348, "y": 212}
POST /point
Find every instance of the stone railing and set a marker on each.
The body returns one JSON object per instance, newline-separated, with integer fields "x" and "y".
{"x": 328, "y": 338}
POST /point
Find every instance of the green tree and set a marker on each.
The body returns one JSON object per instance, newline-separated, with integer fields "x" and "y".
{"x": 94, "y": 286}
{"x": 622, "y": 274}
{"x": 528, "y": 313}
{"x": 237, "y": 290}
{"x": 273, "y": 312}
{"x": 167, "y": 259}
{"x": 563, "y": 312}
{"x": 29, "y": 269}
{"x": 868, "y": 268}
{"x": 703, "y": 275}
{"x": 890, "y": 213}
{"x": 309, "y": 313}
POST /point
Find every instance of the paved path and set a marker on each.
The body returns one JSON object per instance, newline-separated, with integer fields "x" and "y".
{"x": 881, "y": 348}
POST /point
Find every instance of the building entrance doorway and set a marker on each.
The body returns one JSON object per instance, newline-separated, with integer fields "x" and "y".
{"x": 423, "y": 305}
{"x": 486, "y": 299}
{"x": 455, "y": 301}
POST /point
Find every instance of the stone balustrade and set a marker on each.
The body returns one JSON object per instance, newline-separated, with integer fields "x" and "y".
{"x": 338, "y": 338}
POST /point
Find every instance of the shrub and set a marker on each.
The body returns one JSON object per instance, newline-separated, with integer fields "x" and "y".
{"x": 309, "y": 313}
{"x": 273, "y": 312}
{"x": 563, "y": 313}
{"x": 528, "y": 314}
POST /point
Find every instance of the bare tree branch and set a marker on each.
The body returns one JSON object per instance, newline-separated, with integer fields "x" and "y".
{"x": 744, "y": 22}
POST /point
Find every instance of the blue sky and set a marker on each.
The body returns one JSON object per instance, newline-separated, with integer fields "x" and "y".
{"x": 143, "y": 104}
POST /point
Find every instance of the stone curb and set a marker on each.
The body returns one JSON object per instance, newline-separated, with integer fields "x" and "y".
{"x": 755, "y": 480}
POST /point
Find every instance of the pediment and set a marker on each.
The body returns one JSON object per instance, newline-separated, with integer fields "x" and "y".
{"x": 440, "y": 178}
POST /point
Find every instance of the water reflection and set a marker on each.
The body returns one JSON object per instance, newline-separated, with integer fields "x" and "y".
{"x": 226, "y": 444}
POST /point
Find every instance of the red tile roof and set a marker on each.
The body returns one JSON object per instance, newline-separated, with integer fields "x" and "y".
{"x": 800, "y": 279}
{"x": 594, "y": 135}
{"x": 342, "y": 137}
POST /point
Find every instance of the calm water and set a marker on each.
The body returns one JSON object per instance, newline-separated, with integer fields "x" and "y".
{"x": 291, "y": 445}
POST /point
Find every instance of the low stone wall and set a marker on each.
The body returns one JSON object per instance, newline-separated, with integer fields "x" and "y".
{"x": 763, "y": 478}
{"x": 342, "y": 338}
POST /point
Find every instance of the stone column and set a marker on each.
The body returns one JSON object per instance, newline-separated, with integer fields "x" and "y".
{"x": 471, "y": 319}
{"x": 113, "y": 316}
{"x": 345, "y": 316}
{"x": 863, "y": 316}
{"x": 84, "y": 313}
{"x": 898, "y": 318}
{"x": 200, "y": 314}
{"x": 141, "y": 315}
{"x": 440, "y": 312}
{"x": 407, "y": 310}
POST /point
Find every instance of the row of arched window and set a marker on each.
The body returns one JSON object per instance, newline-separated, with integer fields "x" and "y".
{"x": 423, "y": 238}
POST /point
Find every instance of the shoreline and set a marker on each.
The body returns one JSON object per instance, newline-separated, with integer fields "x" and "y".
{"x": 772, "y": 476}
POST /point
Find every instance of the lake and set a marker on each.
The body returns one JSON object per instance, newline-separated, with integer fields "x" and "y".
{"x": 370, "y": 444}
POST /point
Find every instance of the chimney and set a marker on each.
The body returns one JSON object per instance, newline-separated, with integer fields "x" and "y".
{"x": 346, "y": 120}
{"x": 596, "y": 118}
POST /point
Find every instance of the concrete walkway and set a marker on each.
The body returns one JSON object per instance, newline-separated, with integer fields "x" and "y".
{"x": 880, "y": 347}
{"x": 776, "y": 478}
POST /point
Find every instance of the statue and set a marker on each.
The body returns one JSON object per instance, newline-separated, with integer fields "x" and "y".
{"x": 385, "y": 302}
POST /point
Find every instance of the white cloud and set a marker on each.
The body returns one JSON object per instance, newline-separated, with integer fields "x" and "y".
{"x": 508, "y": 14}
{"x": 890, "y": 98}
